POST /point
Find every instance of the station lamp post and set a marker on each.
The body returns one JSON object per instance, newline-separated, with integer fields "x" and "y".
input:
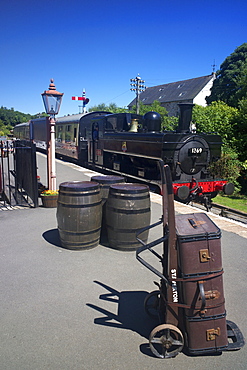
{"x": 138, "y": 87}
{"x": 52, "y": 100}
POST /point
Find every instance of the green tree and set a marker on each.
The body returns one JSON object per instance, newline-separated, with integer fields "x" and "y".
{"x": 228, "y": 167}
{"x": 230, "y": 84}
{"x": 240, "y": 130}
{"x": 167, "y": 123}
{"x": 221, "y": 118}
{"x": 9, "y": 118}
{"x": 99, "y": 107}
{"x": 112, "y": 107}
{"x": 217, "y": 117}
{"x": 115, "y": 109}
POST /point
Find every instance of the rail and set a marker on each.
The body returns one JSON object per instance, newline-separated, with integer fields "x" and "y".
{"x": 226, "y": 212}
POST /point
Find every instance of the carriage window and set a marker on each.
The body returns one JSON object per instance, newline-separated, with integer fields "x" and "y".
{"x": 59, "y": 133}
{"x": 68, "y": 134}
{"x": 111, "y": 123}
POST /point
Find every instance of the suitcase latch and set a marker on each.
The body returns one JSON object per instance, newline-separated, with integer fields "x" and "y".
{"x": 212, "y": 294}
{"x": 204, "y": 255}
{"x": 212, "y": 333}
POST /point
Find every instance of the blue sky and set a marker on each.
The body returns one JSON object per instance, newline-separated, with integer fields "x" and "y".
{"x": 100, "y": 45}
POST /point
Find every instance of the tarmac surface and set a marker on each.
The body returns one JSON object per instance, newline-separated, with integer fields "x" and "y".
{"x": 63, "y": 309}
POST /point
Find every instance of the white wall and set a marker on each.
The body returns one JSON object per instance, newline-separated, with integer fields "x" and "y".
{"x": 200, "y": 98}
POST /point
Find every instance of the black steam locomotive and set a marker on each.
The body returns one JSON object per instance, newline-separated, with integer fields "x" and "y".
{"x": 130, "y": 144}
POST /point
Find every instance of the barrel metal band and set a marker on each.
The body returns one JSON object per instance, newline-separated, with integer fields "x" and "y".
{"x": 80, "y": 232}
{"x": 123, "y": 197}
{"x": 79, "y": 205}
{"x": 79, "y": 193}
{"x": 130, "y": 212}
{"x": 122, "y": 230}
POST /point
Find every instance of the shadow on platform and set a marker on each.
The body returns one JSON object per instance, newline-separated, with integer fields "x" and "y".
{"x": 130, "y": 313}
{"x": 52, "y": 237}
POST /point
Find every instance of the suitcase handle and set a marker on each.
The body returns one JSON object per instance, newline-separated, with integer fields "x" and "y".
{"x": 193, "y": 223}
{"x": 203, "y": 298}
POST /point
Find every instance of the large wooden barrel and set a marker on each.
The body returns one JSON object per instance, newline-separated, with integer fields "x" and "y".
{"x": 79, "y": 214}
{"x": 127, "y": 210}
{"x": 105, "y": 183}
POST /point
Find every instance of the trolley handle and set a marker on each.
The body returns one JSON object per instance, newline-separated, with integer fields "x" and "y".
{"x": 152, "y": 244}
{"x": 146, "y": 264}
{"x": 149, "y": 247}
{"x": 140, "y": 231}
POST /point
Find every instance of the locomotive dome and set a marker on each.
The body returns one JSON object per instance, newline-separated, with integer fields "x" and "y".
{"x": 152, "y": 121}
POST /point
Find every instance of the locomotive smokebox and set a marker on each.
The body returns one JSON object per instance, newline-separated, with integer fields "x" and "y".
{"x": 152, "y": 122}
{"x": 185, "y": 117}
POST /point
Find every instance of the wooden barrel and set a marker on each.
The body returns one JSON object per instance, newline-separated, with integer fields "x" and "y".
{"x": 105, "y": 183}
{"x": 127, "y": 210}
{"x": 79, "y": 214}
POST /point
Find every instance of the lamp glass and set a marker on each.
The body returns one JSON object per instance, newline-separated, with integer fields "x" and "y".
{"x": 52, "y": 103}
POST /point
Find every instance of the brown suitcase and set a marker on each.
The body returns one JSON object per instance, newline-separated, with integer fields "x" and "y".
{"x": 201, "y": 287}
{"x": 190, "y": 301}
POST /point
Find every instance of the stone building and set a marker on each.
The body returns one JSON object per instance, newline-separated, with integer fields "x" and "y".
{"x": 194, "y": 90}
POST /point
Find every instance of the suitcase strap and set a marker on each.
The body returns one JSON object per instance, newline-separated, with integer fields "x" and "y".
{"x": 201, "y": 308}
{"x": 200, "y": 282}
{"x": 201, "y": 278}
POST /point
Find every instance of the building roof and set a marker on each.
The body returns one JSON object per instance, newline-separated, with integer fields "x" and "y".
{"x": 175, "y": 91}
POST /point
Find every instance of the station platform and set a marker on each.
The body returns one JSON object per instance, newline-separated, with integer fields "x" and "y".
{"x": 62, "y": 309}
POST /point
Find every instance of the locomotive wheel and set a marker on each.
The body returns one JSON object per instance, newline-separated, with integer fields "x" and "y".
{"x": 151, "y": 303}
{"x": 166, "y": 341}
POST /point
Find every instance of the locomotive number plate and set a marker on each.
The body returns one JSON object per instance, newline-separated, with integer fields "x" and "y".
{"x": 195, "y": 151}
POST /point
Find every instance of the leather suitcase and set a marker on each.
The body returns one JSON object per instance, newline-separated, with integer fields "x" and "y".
{"x": 201, "y": 287}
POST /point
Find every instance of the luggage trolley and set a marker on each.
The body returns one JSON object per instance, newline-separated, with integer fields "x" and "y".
{"x": 189, "y": 301}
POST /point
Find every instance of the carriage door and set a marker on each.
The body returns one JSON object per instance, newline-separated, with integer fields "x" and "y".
{"x": 95, "y": 139}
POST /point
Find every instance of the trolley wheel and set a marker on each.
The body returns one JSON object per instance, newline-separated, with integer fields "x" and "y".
{"x": 151, "y": 303}
{"x": 166, "y": 341}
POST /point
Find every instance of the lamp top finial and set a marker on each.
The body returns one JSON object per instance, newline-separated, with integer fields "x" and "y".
{"x": 52, "y": 85}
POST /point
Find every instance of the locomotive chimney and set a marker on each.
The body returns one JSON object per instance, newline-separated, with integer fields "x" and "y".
{"x": 185, "y": 117}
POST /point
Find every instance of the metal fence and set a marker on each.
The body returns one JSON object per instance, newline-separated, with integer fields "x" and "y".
{"x": 6, "y": 148}
{"x": 18, "y": 173}
{"x": 25, "y": 170}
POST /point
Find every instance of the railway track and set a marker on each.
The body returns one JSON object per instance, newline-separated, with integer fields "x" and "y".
{"x": 226, "y": 212}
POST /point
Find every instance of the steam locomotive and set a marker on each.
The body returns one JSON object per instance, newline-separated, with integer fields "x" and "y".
{"x": 130, "y": 144}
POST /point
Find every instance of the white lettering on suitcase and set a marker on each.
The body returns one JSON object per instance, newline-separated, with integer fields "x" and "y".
{"x": 174, "y": 286}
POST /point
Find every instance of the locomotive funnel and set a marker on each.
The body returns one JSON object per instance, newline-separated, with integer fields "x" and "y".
{"x": 185, "y": 117}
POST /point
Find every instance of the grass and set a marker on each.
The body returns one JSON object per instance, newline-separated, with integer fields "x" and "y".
{"x": 237, "y": 201}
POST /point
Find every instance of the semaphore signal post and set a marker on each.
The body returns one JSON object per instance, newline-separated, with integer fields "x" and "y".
{"x": 84, "y": 100}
